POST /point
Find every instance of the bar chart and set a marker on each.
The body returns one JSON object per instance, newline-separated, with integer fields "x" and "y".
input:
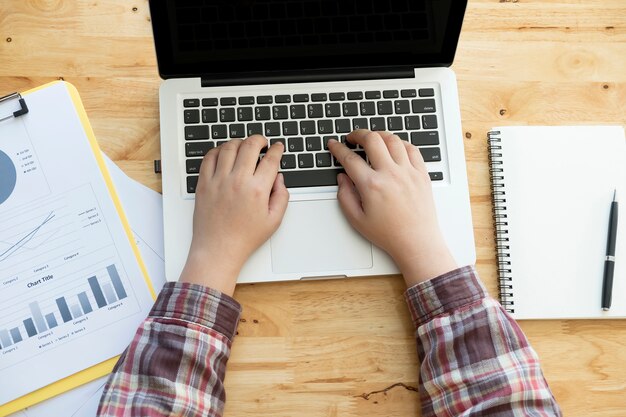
{"x": 102, "y": 292}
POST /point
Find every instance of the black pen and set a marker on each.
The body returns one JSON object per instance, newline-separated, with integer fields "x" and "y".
{"x": 609, "y": 260}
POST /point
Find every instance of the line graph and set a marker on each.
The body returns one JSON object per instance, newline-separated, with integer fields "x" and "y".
{"x": 26, "y": 239}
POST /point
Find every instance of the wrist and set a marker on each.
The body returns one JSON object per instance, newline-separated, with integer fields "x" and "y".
{"x": 425, "y": 264}
{"x": 204, "y": 269}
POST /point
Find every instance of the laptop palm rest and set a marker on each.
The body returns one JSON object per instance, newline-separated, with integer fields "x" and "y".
{"x": 315, "y": 237}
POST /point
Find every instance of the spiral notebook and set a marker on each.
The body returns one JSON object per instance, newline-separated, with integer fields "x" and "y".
{"x": 552, "y": 189}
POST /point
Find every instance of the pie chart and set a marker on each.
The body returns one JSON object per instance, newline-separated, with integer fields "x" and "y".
{"x": 8, "y": 176}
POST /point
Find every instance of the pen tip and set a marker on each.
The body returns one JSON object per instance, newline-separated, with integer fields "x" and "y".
{"x": 615, "y": 195}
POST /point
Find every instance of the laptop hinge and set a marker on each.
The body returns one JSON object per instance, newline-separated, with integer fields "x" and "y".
{"x": 306, "y": 76}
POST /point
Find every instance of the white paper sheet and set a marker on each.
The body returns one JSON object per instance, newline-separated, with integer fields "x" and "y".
{"x": 144, "y": 210}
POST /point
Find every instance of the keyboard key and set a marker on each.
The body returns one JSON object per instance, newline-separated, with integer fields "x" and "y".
{"x": 355, "y": 95}
{"x": 295, "y": 145}
{"x": 311, "y": 178}
{"x": 209, "y": 115}
{"x": 385, "y": 107}
{"x": 209, "y": 102}
{"x": 280, "y": 112}
{"x": 337, "y": 96}
{"x": 403, "y": 135}
{"x": 305, "y": 160}
{"x": 324, "y": 126}
{"x": 435, "y": 176}
{"x": 191, "y": 102}
{"x": 193, "y": 165}
{"x": 315, "y": 111}
{"x": 368, "y": 108}
{"x": 412, "y": 122}
{"x": 322, "y": 160}
{"x": 395, "y": 123}
{"x": 307, "y": 127}
{"x": 372, "y": 95}
{"x": 264, "y": 100}
{"x": 298, "y": 111}
{"x": 423, "y": 106}
{"x": 431, "y": 154}
{"x": 288, "y": 162}
{"x": 244, "y": 114}
{"x": 198, "y": 148}
{"x": 227, "y": 114}
{"x": 402, "y": 106}
{"x": 342, "y": 126}
{"x": 377, "y": 124}
{"x": 197, "y": 132}
{"x": 427, "y": 92}
{"x": 228, "y": 101}
{"x": 290, "y": 128}
{"x": 429, "y": 122}
{"x": 350, "y": 109}
{"x": 219, "y": 132}
{"x": 254, "y": 129}
{"x": 192, "y": 183}
{"x": 281, "y": 140}
{"x": 284, "y": 98}
{"x": 246, "y": 100}
{"x": 262, "y": 113}
{"x": 325, "y": 140}
{"x": 313, "y": 143}
{"x": 272, "y": 129}
{"x": 345, "y": 141}
{"x": 333, "y": 110}
{"x": 408, "y": 93}
{"x": 336, "y": 162}
{"x": 425, "y": 138}
{"x": 360, "y": 123}
{"x": 300, "y": 98}
{"x": 237, "y": 131}
{"x": 319, "y": 97}
{"x": 390, "y": 94}
{"x": 191, "y": 116}
{"x": 221, "y": 142}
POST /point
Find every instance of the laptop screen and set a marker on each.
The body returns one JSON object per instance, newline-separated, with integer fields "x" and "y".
{"x": 195, "y": 37}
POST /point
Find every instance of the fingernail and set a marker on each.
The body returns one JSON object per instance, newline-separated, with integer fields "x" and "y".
{"x": 332, "y": 140}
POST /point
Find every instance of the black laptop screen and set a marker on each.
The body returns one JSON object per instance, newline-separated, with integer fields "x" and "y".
{"x": 195, "y": 37}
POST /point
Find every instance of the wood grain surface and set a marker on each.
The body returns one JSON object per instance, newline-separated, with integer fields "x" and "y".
{"x": 346, "y": 348}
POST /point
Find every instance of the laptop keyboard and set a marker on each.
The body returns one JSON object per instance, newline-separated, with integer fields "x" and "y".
{"x": 305, "y": 122}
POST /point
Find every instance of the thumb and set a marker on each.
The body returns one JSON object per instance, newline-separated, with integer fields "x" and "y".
{"x": 350, "y": 201}
{"x": 278, "y": 200}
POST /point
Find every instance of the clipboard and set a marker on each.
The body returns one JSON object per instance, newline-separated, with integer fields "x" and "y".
{"x": 105, "y": 367}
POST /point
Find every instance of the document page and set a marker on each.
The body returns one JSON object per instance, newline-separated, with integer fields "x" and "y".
{"x": 72, "y": 287}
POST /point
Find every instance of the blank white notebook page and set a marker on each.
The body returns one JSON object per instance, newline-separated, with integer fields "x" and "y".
{"x": 559, "y": 184}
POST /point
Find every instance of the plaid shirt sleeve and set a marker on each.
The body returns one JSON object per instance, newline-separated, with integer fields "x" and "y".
{"x": 176, "y": 363}
{"x": 475, "y": 359}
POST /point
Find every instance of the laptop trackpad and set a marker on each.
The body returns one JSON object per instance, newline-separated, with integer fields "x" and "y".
{"x": 315, "y": 237}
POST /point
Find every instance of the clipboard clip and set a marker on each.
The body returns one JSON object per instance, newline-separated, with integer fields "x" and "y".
{"x": 23, "y": 107}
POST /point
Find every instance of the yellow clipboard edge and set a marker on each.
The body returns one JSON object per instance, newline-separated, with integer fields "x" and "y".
{"x": 103, "y": 368}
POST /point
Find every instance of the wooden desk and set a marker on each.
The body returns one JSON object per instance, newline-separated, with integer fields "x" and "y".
{"x": 340, "y": 348}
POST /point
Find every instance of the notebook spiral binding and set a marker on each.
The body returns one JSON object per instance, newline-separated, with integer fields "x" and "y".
{"x": 500, "y": 219}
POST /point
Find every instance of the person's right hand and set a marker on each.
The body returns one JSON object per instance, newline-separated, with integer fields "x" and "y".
{"x": 391, "y": 203}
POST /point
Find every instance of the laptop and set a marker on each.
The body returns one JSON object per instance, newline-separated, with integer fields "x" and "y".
{"x": 301, "y": 72}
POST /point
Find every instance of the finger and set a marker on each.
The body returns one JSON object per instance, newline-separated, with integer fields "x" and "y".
{"x": 278, "y": 199}
{"x": 268, "y": 167}
{"x": 227, "y": 155}
{"x": 350, "y": 201}
{"x": 207, "y": 168}
{"x": 415, "y": 156}
{"x": 374, "y": 146}
{"x": 354, "y": 165}
{"x": 396, "y": 149}
{"x": 248, "y": 154}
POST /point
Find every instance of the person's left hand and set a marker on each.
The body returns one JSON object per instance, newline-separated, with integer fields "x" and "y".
{"x": 239, "y": 205}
